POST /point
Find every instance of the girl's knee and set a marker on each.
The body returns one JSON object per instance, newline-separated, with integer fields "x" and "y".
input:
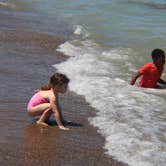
{"x": 46, "y": 106}
{"x": 39, "y": 110}
{"x": 49, "y": 107}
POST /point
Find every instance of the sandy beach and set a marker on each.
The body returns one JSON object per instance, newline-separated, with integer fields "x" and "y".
{"x": 26, "y": 59}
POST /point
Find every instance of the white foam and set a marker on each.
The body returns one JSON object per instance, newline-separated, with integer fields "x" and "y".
{"x": 131, "y": 120}
{"x": 8, "y": 5}
{"x": 80, "y": 30}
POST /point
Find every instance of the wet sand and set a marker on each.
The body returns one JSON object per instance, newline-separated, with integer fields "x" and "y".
{"x": 25, "y": 65}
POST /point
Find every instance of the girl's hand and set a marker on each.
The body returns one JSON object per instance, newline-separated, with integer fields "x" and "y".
{"x": 63, "y": 128}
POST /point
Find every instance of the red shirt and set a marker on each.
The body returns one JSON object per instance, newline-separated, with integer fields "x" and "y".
{"x": 150, "y": 75}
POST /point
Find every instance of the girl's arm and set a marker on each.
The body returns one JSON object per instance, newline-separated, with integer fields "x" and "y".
{"x": 54, "y": 106}
{"x": 132, "y": 82}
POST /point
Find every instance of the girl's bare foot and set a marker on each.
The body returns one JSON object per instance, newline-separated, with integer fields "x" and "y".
{"x": 63, "y": 128}
{"x": 42, "y": 123}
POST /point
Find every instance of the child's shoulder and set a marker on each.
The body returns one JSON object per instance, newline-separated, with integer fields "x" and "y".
{"x": 146, "y": 67}
{"x": 49, "y": 94}
{"x": 46, "y": 92}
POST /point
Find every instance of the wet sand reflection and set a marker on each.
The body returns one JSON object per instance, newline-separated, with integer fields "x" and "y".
{"x": 40, "y": 144}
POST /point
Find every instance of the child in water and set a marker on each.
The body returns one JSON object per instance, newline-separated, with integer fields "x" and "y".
{"x": 152, "y": 71}
{"x": 44, "y": 102}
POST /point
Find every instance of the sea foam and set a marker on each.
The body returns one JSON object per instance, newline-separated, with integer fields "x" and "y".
{"x": 131, "y": 120}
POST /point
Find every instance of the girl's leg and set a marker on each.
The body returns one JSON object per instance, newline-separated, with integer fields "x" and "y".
{"x": 46, "y": 114}
{"x": 44, "y": 110}
{"x": 39, "y": 109}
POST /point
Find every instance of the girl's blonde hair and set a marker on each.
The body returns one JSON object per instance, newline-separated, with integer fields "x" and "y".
{"x": 56, "y": 79}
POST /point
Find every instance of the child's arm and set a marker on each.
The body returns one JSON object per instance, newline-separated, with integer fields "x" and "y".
{"x": 56, "y": 113}
{"x": 137, "y": 75}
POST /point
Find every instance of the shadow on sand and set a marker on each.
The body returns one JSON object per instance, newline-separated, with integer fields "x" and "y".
{"x": 52, "y": 122}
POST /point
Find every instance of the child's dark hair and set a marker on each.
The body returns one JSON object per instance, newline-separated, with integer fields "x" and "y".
{"x": 56, "y": 79}
{"x": 157, "y": 53}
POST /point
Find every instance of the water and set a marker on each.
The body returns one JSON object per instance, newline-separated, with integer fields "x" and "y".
{"x": 112, "y": 40}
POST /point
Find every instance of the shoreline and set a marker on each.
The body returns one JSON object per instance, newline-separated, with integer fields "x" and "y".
{"x": 26, "y": 59}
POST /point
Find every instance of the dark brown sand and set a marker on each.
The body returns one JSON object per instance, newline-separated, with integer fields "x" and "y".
{"x": 25, "y": 64}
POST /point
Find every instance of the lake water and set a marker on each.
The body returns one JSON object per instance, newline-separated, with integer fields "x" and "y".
{"x": 111, "y": 40}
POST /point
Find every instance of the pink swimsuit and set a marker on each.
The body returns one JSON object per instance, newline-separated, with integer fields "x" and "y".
{"x": 36, "y": 100}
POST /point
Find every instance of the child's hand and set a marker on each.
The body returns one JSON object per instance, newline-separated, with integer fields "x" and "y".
{"x": 63, "y": 128}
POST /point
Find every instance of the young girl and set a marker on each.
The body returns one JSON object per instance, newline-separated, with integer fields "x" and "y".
{"x": 44, "y": 102}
